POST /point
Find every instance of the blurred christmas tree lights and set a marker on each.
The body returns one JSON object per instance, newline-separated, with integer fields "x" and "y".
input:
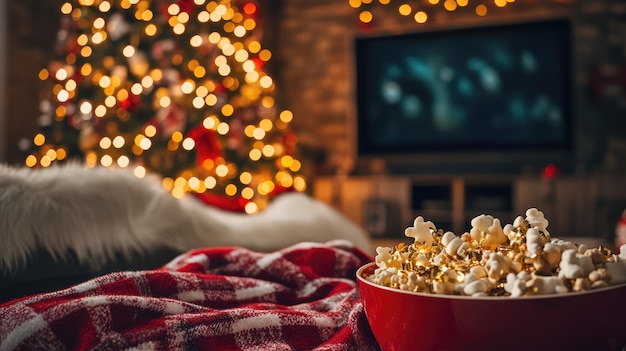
{"x": 172, "y": 87}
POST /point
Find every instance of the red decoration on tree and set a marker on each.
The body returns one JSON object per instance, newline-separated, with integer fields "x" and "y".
{"x": 229, "y": 203}
{"x": 131, "y": 103}
{"x": 258, "y": 63}
{"x": 207, "y": 145}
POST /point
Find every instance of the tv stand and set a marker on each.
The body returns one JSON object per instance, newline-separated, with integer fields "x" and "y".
{"x": 449, "y": 201}
{"x": 384, "y": 205}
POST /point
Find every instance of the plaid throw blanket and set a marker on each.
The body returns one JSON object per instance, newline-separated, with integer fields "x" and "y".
{"x": 301, "y": 298}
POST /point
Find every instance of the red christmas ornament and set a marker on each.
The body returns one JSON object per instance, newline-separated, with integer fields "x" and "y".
{"x": 207, "y": 145}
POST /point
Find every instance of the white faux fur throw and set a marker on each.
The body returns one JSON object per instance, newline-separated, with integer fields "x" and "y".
{"x": 98, "y": 212}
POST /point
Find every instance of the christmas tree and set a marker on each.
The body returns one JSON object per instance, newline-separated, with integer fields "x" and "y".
{"x": 174, "y": 87}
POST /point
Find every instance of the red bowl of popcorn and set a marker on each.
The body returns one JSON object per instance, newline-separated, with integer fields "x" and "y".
{"x": 406, "y": 320}
{"x": 511, "y": 287}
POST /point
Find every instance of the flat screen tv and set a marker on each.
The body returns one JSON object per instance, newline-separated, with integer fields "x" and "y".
{"x": 498, "y": 92}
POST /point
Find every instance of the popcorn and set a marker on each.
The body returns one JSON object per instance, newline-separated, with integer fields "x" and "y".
{"x": 516, "y": 284}
{"x": 574, "y": 265}
{"x": 497, "y": 265}
{"x": 518, "y": 259}
{"x": 541, "y": 285}
{"x": 421, "y": 231}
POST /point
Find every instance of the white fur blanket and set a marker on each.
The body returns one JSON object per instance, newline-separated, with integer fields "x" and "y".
{"x": 97, "y": 213}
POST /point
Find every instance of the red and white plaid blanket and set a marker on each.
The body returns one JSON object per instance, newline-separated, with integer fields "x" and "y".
{"x": 301, "y": 298}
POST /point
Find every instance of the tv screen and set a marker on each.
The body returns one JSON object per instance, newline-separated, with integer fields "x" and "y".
{"x": 497, "y": 88}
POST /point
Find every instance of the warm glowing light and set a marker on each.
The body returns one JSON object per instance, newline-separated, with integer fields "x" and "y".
{"x": 165, "y": 101}
{"x": 61, "y": 154}
{"x": 85, "y": 107}
{"x": 187, "y": 87}
{"x": 45, "y": 161}
{"x": 227, "y": 110}
{"x": 405, "y": 9}
{"x": 195, "y": 41}
{"x": 286, "y": 116}
{"x": 245, "y": 177}
{"x": 265, "y": 55}
{"x": 258, "y": 133}
{"x": 268, "y": 151}
{"x": 173, "y": 9}
{"x": 177, "y": 136}
{"x": 210, "y": 182}
{"x": 251, "y": 208}
{"x": 254, "y": 46}
{"x": 295, "y": 166}
{"x": 230, "y": 190}
{"x": 150, "y": 131}
{"x": 223, "y": 128}
{"x": 104, "y": 6}
{"x": 255, "y": 154}
{"x": 450, "y": 5}
{"x": 128, "y": 51}
{"x": 145, "y": 144}
{"x": 44, "y": 74}
{"x": 355, "y": 3}
{"x": 286, "y": 161}
{"x": 106, "y": 160}
{"x": 481, "y": 10}
{"x": 39, "y": 139}
{"x": 420, "y": 17}
{"x": 61, "y": 74}
{"x": 247, "y": 193}
{"x": 221, "y": 170}
{"x": 31, "y": 161}
{"x": 123, "y": 161}
{"x": 91, "y": 159}
{"x": 66, "y": 8}
{"x": 239, "y": 31}
{"x": 188, "y": 144}
{"x": 118, "y": 142}
{"x": 105, "y": 143}
{"x": 151, "y": 30}
{"x": 299, "y": 184}
{"x": 266, "y": 82}
{"x": 194, "y": 183}
{"x": 140, "y": 172}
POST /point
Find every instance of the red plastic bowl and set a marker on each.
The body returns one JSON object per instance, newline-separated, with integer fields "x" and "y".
{"x": 402, "y": 320}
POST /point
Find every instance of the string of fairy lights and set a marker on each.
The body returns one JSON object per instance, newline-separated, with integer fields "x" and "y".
{"x": 218, "y": 86}
{"x": 419, "y": 10}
